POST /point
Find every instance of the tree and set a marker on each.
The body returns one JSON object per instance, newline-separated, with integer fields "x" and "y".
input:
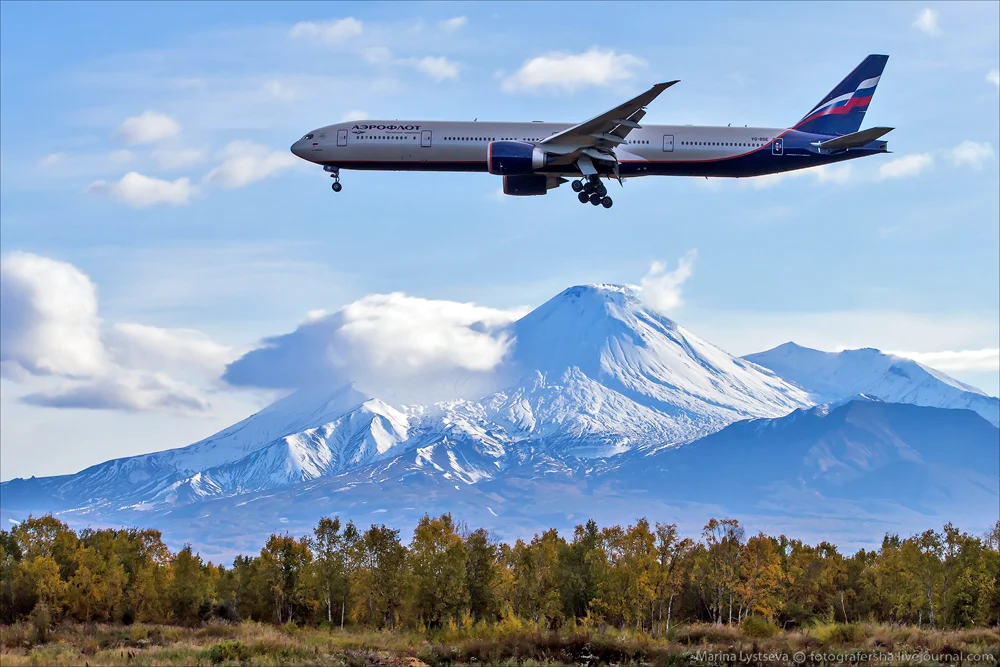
{"x": 283, "y": 565}
{"x": 482, "y": 575}
{"x": 759, "y": 585}
{"x": 438, "y": 558}
{"x": 378, "y": 574}
{"x": 718, "y": 569}
{"x": 97, "y": 586}
{"x": 330, "y": 557}
{"x": 672, "y": 553}
{"x": 189, "y": 587}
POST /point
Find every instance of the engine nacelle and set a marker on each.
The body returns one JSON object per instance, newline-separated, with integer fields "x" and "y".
{"x": 514, "y": 157}
{"x": 525, "y": 186}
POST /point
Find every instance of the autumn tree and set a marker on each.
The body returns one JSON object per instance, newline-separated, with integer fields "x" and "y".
{"x": 438, "y": 558}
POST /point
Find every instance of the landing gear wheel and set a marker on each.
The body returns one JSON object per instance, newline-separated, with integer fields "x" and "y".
{"x": 583, "y": 197}
{"x": 337, "y": 187}
{"x": 589, "y": 188}
{"x": 595, "y": 199}
{"x": 577, "y": 186}
{"x": 606, "y": 202}
{"x": 601, "y": 190}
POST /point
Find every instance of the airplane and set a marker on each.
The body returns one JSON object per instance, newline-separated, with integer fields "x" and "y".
{"x": 536, "y": 157}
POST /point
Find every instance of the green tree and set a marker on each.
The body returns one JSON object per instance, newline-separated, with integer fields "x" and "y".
{"x": 438, "y": 557}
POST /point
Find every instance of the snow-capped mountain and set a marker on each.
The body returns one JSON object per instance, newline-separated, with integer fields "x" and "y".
{"x": 593, "y": 373}
{"x": 833, "y": 376}
{"x": 602, "y": 399}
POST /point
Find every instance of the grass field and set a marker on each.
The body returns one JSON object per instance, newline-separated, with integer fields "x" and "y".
{"x": 259, "y": 644}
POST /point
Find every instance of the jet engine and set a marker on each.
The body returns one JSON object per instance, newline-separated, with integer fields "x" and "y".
{"x": 514, "y": 157}
{"x": 525, "y": 186}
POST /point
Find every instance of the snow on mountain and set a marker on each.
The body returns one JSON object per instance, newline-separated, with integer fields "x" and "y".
{"x": 593, "y": 373}
{"x": 832, "y": 376}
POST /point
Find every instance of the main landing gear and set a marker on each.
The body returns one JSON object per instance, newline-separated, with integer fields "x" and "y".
{"x": 592, "y": 191}
{"x": 335, "y": 175}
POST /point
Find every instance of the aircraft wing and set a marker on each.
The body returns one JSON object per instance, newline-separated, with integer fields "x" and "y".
{"x": 606, "y": 131}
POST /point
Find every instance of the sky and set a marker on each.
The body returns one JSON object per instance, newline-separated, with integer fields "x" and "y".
{"x": 154, "y": 227}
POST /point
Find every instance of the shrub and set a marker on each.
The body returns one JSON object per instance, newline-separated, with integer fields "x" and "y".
{"x": 128, "y": 615}
{"x": 228, "y": 651}
{"x": 40, "y": 621}
{"x": 758, "y": 627}
{"x": 839, "y": 633}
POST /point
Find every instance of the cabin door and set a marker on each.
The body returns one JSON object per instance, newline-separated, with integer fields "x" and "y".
{"x": 425, "y": 138}
{"x": 668, "y": 143}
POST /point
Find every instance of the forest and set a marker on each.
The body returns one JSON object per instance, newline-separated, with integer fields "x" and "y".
{"x": 643, "y": 577}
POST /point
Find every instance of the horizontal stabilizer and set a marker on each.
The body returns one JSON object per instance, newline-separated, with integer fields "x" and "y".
{"x": 854, "y": 140}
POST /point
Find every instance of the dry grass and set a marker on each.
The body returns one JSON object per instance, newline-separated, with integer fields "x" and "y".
{"x": 257, "y": 644}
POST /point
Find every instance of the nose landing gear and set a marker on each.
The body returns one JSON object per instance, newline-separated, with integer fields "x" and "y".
{"x": 335, "y": 175}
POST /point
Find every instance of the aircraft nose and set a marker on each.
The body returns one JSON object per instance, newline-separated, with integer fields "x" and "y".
{"x": 299, "y": 149}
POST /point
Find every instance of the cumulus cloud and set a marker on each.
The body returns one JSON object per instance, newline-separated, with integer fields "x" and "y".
{"x": 661, "y": 289}
{"x": 927, "y": 22}
{"x": 49, "y": 322}
{"x": 438, "y": 68}
{"x": 993, "y": 76}
{"x": 453, "y": 24}
{"x": 972, "y": 154}
{"x": 568, "y": 72}
{"x": 50, "y": 329}
{"x": 146, "y": 128}
{"x": 331, "y": 32}
{"x": 389, "y": 345}
{"x": 178, "y": 158}
{"x": 140, "y": 191}
{"x": 906, "y": 166}
{"x": 244, "y": 162}
{"x": 986, "y": 359}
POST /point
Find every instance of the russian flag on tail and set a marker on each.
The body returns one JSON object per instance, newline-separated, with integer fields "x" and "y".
{"x": 843, "y": 109}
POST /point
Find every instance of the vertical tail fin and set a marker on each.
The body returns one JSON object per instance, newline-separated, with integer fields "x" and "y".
{"x": 842, "y": 111}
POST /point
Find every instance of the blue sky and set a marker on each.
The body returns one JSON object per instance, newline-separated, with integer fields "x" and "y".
{"x": 183, "y": 275}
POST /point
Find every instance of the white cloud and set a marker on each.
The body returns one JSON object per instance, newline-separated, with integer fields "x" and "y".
{"x": 121, "y": 156}
{"x": 661, "y": 289}
{"x": 438, "y": 68}
{"x": 390, "y": 345}
{"x": 331, "y": 32}
{"x": 906, "y": 166}
{"x": 453, "y": 24}
{"x": 987, "y": 359}
{"x": 244, "y": 162}
{"x": 173, "y": 350}
{"x": 148, "y": 127}
{"x": 139, "y": 191}
{"x": 126, "y": 391}
{"x": 377, "y": 55}
{"x": 52, "y": 159}
{"x": 278, "y": 90}
{"x": 830, "y": 173}
{"x": 927, "y": 22}
{"x": 972, "y": 154}
{"x": 50, "y": 329}
{"x": 993, "y": 76}
{"x": 354, "y": 114}
{"x": 178, "y": 158}
{"x": 570, "y": 71}
{"x": 49, "y": 322}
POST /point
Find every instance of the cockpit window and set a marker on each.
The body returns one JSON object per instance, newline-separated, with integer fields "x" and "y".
{"x": 308, "y": 136}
